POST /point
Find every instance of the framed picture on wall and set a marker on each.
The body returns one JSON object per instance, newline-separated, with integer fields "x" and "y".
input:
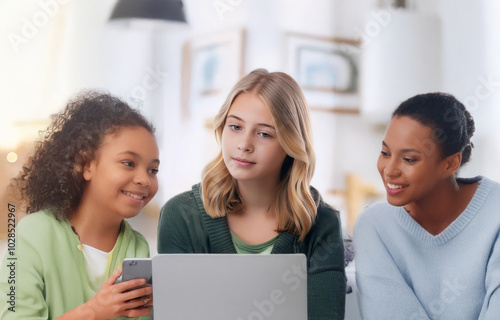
{"x": 327, "y": 70}
{"x": 212, "y": 64}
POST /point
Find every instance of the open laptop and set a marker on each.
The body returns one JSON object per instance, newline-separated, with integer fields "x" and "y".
{"x": 229, "y": 287}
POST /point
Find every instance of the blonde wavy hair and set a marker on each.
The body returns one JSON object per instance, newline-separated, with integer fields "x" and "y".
{"x": 294, "y": 203}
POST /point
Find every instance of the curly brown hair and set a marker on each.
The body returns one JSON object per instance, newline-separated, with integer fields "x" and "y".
{"x": 53, "y": 177}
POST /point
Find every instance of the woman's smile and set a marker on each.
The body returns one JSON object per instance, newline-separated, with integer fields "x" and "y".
{"x": 395, "y": 188}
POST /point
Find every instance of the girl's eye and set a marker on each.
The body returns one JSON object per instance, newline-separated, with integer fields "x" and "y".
{"x": 265, "y": 135}
{"x": 409, "y": 160}
{"x": 234, "y": 127}
{"x": 154, "y": 171}
{"x": 384, "y": 153}
{"x": 128, "y": 163}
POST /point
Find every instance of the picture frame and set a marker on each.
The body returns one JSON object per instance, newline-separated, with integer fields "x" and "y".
{"x": 212, "y": 64}
{"x": 327, "y": 70}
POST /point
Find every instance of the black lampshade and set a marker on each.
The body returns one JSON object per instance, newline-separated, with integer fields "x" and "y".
{"x": 169, "y": 10}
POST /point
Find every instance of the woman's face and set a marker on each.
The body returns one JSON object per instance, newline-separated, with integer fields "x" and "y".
{"x": 410, "y": 163}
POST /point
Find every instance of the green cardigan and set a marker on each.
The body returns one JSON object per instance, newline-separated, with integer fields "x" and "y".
{"x": 185, "y": 227}
{"x": 50, "y": 274}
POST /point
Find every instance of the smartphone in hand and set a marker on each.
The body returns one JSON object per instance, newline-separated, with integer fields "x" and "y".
{"x": 137, "y": 268}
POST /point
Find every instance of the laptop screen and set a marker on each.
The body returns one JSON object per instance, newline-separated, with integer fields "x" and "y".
{"x": 229, "y": 286}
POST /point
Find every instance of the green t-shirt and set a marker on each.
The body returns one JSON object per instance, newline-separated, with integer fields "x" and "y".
{"x": 244, "y": 248}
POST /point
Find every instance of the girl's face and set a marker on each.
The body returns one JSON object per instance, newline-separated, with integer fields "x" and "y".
{"x": 250, "y": 146}
{"x": 410, "y": 164}
{"x": 121, "y": 179}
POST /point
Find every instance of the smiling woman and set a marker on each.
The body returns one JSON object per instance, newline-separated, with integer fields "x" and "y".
{"x": 409, "y": 161}
{"x": 413, "y": 258}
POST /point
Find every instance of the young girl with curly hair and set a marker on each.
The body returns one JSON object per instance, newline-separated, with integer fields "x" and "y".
{"x": 95, "y": 167}
{"x": 255, "y": 196}
{"x": 432, "y": 250}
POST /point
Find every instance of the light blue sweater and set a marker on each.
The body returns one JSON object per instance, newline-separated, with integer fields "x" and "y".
{"x": 404, "y": 272}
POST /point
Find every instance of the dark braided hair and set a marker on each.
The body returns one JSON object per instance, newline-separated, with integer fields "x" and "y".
{"x": 53, "y": 177}
{"x": 453, "y": 126}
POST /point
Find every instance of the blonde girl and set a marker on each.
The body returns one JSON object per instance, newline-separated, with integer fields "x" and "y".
{"x": 255, "y": 196}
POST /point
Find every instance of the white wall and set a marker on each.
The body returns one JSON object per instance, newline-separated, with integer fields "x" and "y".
{"x": 470, "y": 59}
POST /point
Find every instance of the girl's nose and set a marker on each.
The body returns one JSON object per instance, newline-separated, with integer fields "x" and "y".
{"x": 142, "y": 178}
{"x": 245, "y": 144}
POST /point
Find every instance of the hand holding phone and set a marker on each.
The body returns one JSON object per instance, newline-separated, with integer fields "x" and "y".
{"x": 138, "y": 268}
{"x": 131, "y": 298}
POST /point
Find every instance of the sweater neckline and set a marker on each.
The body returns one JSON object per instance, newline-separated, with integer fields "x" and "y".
{"x": 253, "y": 248}
{"x": 125, "y": 230}
{"x": 456, "y": 226}
{"x": 220, "y": 235}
